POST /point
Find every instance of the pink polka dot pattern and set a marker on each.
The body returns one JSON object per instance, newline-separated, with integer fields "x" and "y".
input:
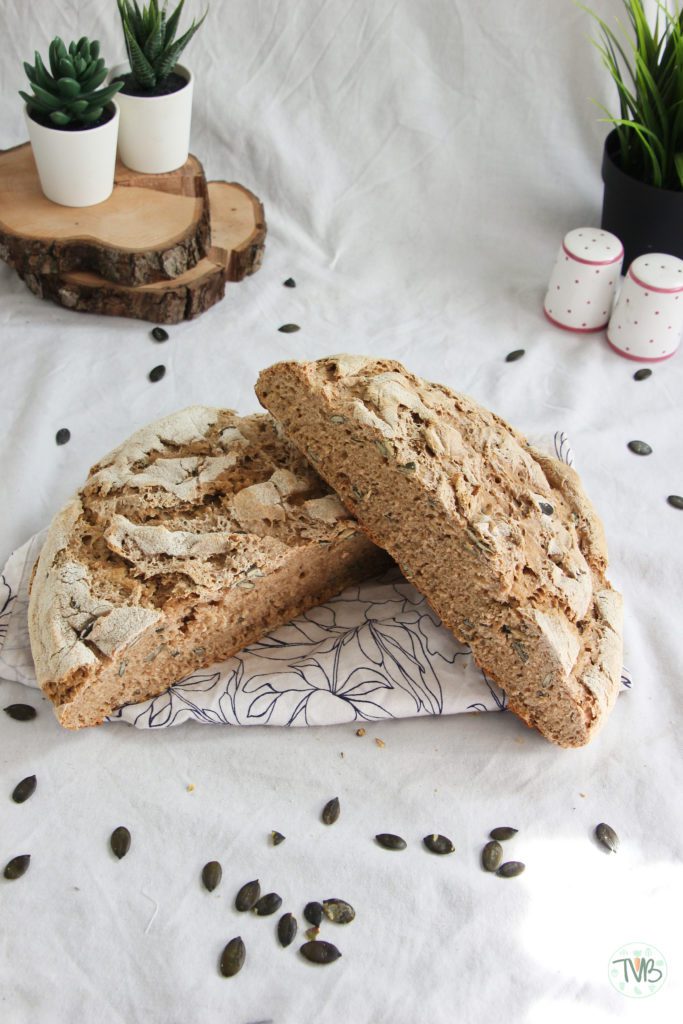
{"x": 582, "y": 284}
{"x": 647, "y": 322}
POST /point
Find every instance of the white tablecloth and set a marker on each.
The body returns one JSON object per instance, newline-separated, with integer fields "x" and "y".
{"x": 419, "y": 164}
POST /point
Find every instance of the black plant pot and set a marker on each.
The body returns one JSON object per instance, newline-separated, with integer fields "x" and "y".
{"x": 645, "y": 218}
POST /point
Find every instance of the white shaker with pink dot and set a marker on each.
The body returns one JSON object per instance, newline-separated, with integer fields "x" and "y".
{"x": 584, "y": 280}
{"x": 647, "y": 322}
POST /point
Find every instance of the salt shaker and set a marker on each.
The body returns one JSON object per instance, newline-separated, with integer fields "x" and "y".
{"x": 647, "y": 321}
{"x": 584, "y": 280}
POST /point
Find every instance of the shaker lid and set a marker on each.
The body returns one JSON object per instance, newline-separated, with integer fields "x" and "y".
{"x": 658, "y": 271}
{"x": 593, "y": 245}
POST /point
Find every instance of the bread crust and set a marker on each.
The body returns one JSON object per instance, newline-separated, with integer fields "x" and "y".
{"x": 499, "y": 537}
{"x": 192, "y": 539}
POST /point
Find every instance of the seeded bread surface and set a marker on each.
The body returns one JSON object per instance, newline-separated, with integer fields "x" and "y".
{"x": 499, "y": 537}
{"x": 191, "y": 540}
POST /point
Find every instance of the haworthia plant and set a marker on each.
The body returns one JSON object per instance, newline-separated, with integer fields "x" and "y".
{"x": 69, "y": 92}
{"x": 151, "y": 44}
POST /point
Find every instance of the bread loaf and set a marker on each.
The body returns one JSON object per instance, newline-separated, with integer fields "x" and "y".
{"x": 188, "y": 542}
{"x": 499, "y": 537}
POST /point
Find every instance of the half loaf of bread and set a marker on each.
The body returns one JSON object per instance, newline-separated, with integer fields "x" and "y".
{"x": 188, "y": 542}
{"x": 499, "y": 537}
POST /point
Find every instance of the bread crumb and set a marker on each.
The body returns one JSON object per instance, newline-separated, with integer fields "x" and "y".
{"x": 312, "y": 933}
{"x": 379, "y": 742}
{"x": 360, "y": 732}
{"x": 190, "y": 787}
{"x": 582, "y": 794}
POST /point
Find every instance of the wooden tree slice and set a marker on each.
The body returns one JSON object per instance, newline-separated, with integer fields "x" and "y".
{"x": 238, "y": 232}
{"x": 152, "y": 227}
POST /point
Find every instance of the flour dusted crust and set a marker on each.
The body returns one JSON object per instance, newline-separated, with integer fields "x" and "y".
{"x": 500, "y": 537}
{"x": 190, "y": 540}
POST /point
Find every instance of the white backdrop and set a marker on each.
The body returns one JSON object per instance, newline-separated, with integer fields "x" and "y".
{"x": 419, "y": 163}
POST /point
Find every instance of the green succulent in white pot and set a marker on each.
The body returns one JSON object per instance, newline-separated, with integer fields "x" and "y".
{"x": 72, "y": 122}
{"x": 156, "y": 98}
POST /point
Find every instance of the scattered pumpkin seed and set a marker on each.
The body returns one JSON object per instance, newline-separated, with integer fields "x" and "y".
{"x": 63, "y": 435}
{"x": 156, "y": 373}
{"x": 289, "y": 283}
{"x": 267, "y": 904}
{"x": 211, "y": 875}
{"x": 159, "y": 334}
{"x": 546, "y": 508}
{"x": 391, "y": 842}
{"x": 17, "y": 867}
{"x": 248, "y": 895}
{"x": 21, "y": 712}
{"x": 120, "y": 841}
{"x": 24, "y": 789}
{"x": 312, "y": 933}
{"x": 640, "y": 447}
{"x": 320, "y": 952}
{"x": 438, "y": 844}
{"x": 331, "y": 811}
{"x": 338, "y": 911}
{"x": 491, "y": 856}
{"x": 277, "y": 838}
{"x": 512, "y": 357}
{"x": 642, "y": 374}
{"x": 289, "y": 328}
{"x": 608, "y": 838}
{"x": 675, "y": 500}
{"x": 510, "y": 869}
{"x": 286, "y": 929}
{"x": 502, "y": 833}
{"x": 232, "y": 957}
{"x": 313, "y": 912}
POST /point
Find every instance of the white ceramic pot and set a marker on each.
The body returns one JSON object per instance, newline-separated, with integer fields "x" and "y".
{"x": 75, "y": 168}
{"x": 647, "y": 322}
{"x": 154, "y": 134}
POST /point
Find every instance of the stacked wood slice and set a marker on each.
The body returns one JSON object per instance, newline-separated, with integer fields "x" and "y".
{"x": 161, "y": 248}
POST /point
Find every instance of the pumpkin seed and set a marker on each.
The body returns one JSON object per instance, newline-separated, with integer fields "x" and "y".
{"x": 520, "y": 651}
{"x": 510, "y": 869}
{"x": 120, "y": 841}
{"x": 159, "y": 334}
{"x": 512, "y": 357}
{"x": 289, "y": 283}
{"x": 642, "y": 374}
{"x": 63, "y": 435}
{"x": 248, "y": 895}
{"x": 546, "y": 508}
{"x": 17, "y": 867}
{"x": 24, "y": 789}
{"x": 320, "y": 952}
{"x": 232, "y": 957}
{"x": 390, "y": 841}
{"x": 337, "y": 419}
{"x": 502, "y": 833}
{"x": 331, "y": 811}
{"x": 277, "y": 838}
{"x": 313, "y": 912}
{"x": 338, "y": 911}
{"x": 675, "y": 500}
{"x": 286, "y": 929}
{"x": 491, "y": 856}
{"x": 21, "y": 712}
{"x": 289, "y": 328}
{"x": 267, "y": 904}
{"x": 438, "y": 844}
{"x": 640, "y": 447}
{"x": 156, "y": 373}
{"x": 407, "y": 468}
{"x": 211, "y": 875}
{"x": 383, "y": 448}
{"x": 606, "y": 835}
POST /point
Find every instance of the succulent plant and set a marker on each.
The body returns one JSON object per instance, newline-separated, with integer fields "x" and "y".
{"x": 153, "y": 50}
{"x": 70, "y": 94}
